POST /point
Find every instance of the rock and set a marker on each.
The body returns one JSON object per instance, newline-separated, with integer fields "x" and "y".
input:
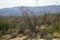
{"x": 56, "y": 35}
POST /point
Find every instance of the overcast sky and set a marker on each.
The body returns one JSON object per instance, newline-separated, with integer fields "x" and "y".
{"x": 14, "y": 3}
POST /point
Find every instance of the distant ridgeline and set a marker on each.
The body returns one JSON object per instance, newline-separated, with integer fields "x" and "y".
{"x": 40, "y": 10}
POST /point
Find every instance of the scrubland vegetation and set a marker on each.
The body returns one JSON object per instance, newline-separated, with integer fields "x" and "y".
{"x": 45, "y": 26}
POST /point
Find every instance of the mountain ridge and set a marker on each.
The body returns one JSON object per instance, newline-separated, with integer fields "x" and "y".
{"x": 14, "y": 11}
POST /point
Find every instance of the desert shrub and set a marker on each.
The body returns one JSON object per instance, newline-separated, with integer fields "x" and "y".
{"x": 53, "y": 28}
{"x": 5, "y": 26}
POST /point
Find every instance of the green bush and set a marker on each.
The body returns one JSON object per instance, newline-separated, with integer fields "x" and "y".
{"x": 5, "y": 26}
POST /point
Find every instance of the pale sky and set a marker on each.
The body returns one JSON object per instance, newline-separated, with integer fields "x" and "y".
{"x": 14, "y": 3}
